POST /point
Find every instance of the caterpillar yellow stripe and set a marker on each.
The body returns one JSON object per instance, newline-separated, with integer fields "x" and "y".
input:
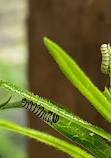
{"x": 105, "y": 65}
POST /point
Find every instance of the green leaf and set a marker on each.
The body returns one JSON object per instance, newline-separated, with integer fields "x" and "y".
{"x": 82, "y": 136}
{"x": 107, "y": 94}
{"x": 55, "y": 108}
{"x": 6, "y": 102}
{"x": 79, "y": 79}
{"x": 91, "y": 141}
{"x": 12, "y": 105}
{"x": 72, "y": 150}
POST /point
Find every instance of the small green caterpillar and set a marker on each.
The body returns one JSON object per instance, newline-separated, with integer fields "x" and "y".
{"x": 105, "y": 65}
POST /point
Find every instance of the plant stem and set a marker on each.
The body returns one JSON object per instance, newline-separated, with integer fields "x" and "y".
{"x": 109, "y": 48}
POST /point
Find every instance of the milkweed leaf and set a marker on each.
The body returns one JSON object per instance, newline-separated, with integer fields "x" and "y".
{"x": 6, "y": 102}
{"x": 61, "y": 111}
{"x": 78, "y": 78}
{"x": 67, "y": 123}
{"x": 72, "y": 150}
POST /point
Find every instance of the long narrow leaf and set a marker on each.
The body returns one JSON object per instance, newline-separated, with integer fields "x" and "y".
{"x": 12, "y": 105}
{"x": 107, "y": 94}
{"x": 91, "y": 141}
{"x": 6, "y": 102}
{"x": 72, "y": 150}
{"x": 55, "y": 108}
{"x": 76, "y": 133}
{"x": 79, "y": 79}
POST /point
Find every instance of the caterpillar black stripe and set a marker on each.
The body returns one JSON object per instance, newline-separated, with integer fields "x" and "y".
{"x": 105, "y": 65}
{"x": 47, "y": 116}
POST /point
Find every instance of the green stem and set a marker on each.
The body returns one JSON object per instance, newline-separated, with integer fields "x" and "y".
{"x": 110, "y": 63}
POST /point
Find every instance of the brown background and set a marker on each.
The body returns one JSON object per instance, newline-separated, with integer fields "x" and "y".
{"x": 80, "y": 27}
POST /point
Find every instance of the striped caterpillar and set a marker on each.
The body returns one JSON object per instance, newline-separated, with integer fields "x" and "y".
{"x": 38, "y": 110}
{"x": 105, "y": 65}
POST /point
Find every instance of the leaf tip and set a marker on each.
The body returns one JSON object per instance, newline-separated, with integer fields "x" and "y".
{"x": 45, "y": 39}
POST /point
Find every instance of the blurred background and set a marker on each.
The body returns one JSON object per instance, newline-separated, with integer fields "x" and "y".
{"x": 13, "y": 67}
{"x": 78, "y": 26}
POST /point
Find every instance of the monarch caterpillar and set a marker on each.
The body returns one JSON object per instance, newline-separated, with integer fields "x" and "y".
{"x": 105, "y": 65}
{"x": 40, "y": 111}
